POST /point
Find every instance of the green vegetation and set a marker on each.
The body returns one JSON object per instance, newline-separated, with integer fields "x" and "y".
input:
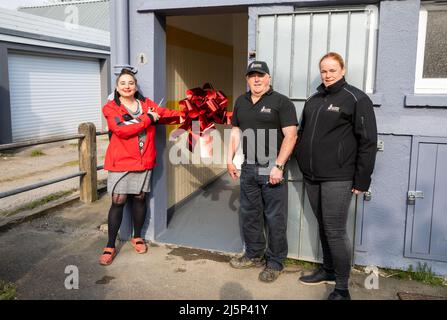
{"x": 300, "y": 263}
{"x": 422, "y": 273}
{"x": 40, "y": 202}
{"x": 37, "y": 153}
{"x": 7, "y": 291}
{"x": 8, "y": 153}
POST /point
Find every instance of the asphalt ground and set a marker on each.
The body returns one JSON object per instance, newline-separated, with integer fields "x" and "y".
{"x": 41, "y": 257}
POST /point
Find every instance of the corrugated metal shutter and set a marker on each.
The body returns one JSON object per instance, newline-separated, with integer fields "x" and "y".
{"x": 52, "y": 95}
{"x": 292, "y": 44}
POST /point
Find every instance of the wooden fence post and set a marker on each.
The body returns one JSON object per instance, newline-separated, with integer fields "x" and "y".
{"x": 88, "y": 187}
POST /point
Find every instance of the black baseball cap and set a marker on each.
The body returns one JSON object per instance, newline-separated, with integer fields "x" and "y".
{"x": 258, "y": 66}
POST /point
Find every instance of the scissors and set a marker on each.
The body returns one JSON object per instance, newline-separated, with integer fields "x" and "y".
{"x": 161, "y": 101}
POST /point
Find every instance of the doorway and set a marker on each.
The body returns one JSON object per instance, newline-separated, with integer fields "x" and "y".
{"x": 203, "y": 203}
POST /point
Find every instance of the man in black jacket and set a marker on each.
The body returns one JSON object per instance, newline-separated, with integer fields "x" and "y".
{"x": 336, "y": 153}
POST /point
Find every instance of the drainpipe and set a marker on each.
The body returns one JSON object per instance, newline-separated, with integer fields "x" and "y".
{"x": 119, "y": 27}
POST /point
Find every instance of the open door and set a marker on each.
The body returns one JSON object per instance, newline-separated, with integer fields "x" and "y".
{"x": 203, "y": 201}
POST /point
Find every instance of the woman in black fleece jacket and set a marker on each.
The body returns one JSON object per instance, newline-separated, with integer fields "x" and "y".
{"x": 336, "y": 150}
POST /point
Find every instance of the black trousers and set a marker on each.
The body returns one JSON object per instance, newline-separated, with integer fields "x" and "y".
{"x": 263, "y": 208}
{"x": 330, "y": 203}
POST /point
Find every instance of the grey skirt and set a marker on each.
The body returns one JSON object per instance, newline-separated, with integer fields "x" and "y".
{"x": 129, "y": 182}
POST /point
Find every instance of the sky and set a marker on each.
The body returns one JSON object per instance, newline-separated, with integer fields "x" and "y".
{"x": 13, "y": 4}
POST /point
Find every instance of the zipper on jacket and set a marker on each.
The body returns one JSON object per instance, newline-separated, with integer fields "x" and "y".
{"x": 312, "y": 138}
{"x": 340, "y": 153}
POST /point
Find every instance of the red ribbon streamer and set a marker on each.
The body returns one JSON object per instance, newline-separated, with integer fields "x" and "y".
{"x": 205, "y": 105}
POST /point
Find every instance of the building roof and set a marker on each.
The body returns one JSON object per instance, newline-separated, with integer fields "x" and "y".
{"x": 20, "y": 27}
{"x": 62, "y": 3}
{"x": 93, "y": 14}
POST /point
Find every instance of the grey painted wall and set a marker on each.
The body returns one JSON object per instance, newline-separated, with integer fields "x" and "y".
{"x": 385, "y": 214}
{"x": 395, "y": 75}
{"x": 120, "y": 27}
{"x": 163, "y": 5}
{"x": 396, "y": 63}
{"x": 147, "y": 34}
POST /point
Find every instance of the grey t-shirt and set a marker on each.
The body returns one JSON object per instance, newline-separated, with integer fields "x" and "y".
{"x": 142, "y": 134}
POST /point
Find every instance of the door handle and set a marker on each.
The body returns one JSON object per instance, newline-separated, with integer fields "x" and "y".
{"x": 367, "y": 195}
{"x": 413, "y": 195}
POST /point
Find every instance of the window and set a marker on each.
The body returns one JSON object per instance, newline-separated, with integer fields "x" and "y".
{"x": 431, "y": 63}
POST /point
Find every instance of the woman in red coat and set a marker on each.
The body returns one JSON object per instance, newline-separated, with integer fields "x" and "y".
{"x": 130, "y": 156}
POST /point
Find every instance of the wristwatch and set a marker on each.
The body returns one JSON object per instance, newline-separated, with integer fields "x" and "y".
{"x": 280, "y": 167}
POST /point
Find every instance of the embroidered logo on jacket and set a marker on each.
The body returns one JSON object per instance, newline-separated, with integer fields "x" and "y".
{"x": 266, "y": 110}
{"x": 333, "y": 108}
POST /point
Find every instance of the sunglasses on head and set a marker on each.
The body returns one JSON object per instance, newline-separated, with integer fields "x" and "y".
{"x": 133, "y": 70}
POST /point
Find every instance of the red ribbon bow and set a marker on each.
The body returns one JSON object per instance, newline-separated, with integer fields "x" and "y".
{"x": 205, "y": 105}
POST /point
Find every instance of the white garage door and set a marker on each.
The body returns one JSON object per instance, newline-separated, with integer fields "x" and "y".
{"x": 52, "y": 95}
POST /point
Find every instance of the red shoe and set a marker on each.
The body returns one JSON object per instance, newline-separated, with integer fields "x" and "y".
{"x": 139, "y": 245}
{"x": 107, "y": 256}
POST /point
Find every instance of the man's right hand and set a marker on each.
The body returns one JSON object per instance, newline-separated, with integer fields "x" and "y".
{"x": 232, "y": 170}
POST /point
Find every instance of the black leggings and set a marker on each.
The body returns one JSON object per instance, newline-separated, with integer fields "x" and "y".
{"x": 116, "y": 215}
{"x": 330, "y": 202}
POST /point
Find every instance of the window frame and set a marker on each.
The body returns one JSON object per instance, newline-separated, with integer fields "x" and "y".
{"x": 426, "y": 85}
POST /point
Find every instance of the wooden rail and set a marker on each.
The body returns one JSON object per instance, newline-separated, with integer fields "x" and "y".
{"x": 88, "y": 183}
